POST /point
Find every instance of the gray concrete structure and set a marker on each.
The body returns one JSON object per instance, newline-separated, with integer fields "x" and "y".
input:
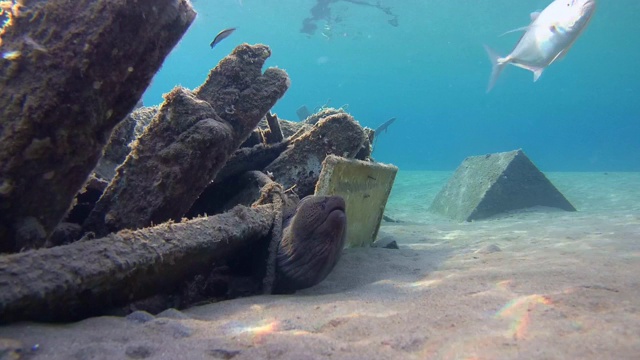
{"x": 490, "y": 184}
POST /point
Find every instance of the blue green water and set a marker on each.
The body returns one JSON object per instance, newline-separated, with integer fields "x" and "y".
{"x": 431, "y": 72}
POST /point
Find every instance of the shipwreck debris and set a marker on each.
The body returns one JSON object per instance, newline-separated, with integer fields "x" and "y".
{"x": 322, "y": 113}
{"x": 195, "y": 147}
{"x": 89, "y": 277}
{"x": 121, "y": 140}
{"x": 242, "y": 189}
{"x": 248, "y": 159}
{"x": 75, "y": 79}
{"x": 188, "y": 142}
{"x": 273, "y": 134}
{"x": 300, "y": 164}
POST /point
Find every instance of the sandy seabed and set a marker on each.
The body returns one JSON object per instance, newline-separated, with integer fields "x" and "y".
{"x": 564, "y": 285}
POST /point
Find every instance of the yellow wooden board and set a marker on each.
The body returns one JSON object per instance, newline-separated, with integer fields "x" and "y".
{"x": 365, "y": 187}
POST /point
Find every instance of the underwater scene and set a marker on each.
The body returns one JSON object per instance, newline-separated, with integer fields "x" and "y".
{"x": 319, "y": 179}
{"x": 423, "y": 63}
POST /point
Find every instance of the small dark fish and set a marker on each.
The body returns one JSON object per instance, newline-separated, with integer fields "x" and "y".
{"x": 221, "y": 36}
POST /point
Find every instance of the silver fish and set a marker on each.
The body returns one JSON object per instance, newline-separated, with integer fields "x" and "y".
{"x": 548, "y": 38}
{"x": 221, "y": 36}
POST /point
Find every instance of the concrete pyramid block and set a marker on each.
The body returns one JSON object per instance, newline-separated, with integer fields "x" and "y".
{"x": 365, "y": 187}
{"x": 490, "y": 184}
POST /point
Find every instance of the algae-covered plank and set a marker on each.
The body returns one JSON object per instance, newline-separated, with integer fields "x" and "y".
{"x": 71, "y": 71}
{"x": 86, "y": 278}
{"x": 365, "y": 187}
{"x": 188, "y": 142}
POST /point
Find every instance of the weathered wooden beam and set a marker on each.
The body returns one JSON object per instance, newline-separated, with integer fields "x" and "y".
{"x": 71, "y": 71}
{"x": 87, "y": 277}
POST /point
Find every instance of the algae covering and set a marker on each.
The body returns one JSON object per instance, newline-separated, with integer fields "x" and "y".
{"x": 188, "y": 142}
{"x": 66, "y": 82}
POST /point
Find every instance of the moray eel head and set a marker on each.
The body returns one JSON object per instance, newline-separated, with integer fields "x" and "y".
{"x": 311, "y": 244}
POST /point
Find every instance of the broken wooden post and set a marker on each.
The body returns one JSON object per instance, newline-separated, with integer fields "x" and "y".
{"x": 76, "y": 68}
{"x": 87, "y": 277}
{"x": 274, "y": 133}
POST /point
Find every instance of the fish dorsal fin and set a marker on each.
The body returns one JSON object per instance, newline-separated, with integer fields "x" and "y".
{"x": 524, "y": 28}
{"x": 534, "y": 15}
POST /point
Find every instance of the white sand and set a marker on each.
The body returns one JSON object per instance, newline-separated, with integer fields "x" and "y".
{"x": 565, "y": 286}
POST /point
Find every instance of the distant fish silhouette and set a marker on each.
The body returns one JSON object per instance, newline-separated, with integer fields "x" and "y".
{"x": 384, "y": 126}
{"x": 380, "y": 129}
{"x": 221, "y": 36}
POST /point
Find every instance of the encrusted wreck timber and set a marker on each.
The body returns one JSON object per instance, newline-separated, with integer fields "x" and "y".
{"x": 122, "y": 137}
{"x": 233, "y": 179}
{"x": 301, "y": 163}
{"x": 187, "y": 143}
{"x": 367, "y": 147}
{"x": 239, "y": 92}
{"x": 76, "y": 68}
{"x": 86, "y": 278}
{"x": 157, "y": 179}
{"x": 247, "y": 159}
{"x": 288, "y": 128}
{"x": 321, "y": 114}
{"x": 242, "y": 189}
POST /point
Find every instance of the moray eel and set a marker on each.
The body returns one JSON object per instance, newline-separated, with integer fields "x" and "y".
{"x": 312, "y": 241}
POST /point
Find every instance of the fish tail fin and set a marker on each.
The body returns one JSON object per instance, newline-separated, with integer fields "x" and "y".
{"x": 498, "y": 66}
